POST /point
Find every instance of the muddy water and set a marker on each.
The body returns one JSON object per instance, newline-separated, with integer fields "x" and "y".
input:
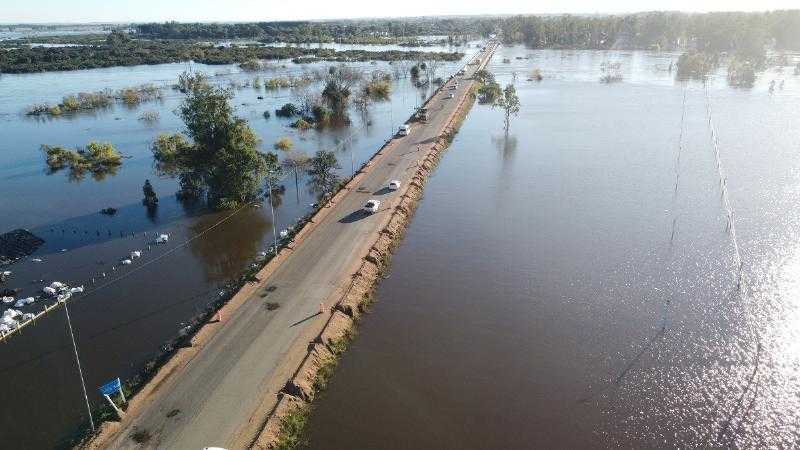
{"x": 133, "y": 310}
{"x": 574, "y": 285}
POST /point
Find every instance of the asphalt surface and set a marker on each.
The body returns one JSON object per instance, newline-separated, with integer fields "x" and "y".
{"x": 210, "y": 401}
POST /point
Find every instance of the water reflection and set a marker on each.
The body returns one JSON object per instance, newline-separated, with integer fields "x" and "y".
{"x": 224, "y": 252}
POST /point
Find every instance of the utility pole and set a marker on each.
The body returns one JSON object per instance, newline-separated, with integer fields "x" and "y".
{"x": 78, "y": 362}
{"x": 272, "y": 211}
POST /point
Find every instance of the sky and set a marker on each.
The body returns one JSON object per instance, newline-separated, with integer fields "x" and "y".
{"x": 83, "y": 11}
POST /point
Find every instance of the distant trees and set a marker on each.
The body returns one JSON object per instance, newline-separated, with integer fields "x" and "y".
{"x": 296, "y": 163}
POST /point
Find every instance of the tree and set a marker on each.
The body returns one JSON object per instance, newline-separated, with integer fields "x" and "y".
{"x": 150, "y": 197}
{"x": 509, "y": 101}
{"x": 322, "y": 170}
{"x": 222, "y": 160}
{"x": 296, "y": 162}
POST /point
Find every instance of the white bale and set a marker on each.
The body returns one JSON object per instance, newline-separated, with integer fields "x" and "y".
{"x": 28, "y": 316}
{"x": 8, "y": 300}
{"x": 56, "y": 285}
{"x": 136, "y": 254}
{"x": 76, "y": 290}
{"x": 48, "y": 290}
{"x": 162, "y": 239}
{"x": 4, "y": 328}
{"x": 284, "y": 233}
{"x": 127, "y": 262}
{"x": 20, "y": 303}
{"x": 29, "y": 300}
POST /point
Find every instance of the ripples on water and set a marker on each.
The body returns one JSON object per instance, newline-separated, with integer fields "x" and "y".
{"x": 556, "y": 290}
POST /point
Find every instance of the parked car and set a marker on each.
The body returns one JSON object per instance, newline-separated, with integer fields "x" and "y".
{"x": 404, "y": 130}
{"x": 371, "y": 206}
{"x": 450, "y": 95}
{"x": 394, "y": 185}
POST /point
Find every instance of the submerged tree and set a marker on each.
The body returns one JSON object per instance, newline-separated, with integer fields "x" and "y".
{"x": 295, "y": 163}
{"x": 150, "y": 198}
{"x": 222, "y": 162}
{"x": 322, "y": 170}
{"x": 510, "y": 104}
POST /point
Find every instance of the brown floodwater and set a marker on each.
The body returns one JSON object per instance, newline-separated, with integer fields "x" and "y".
{"x": 129, "y": 312}
{"x": 575, "y": 284}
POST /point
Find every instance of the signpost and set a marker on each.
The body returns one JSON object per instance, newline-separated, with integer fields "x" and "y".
{"x": 113, "y": 387}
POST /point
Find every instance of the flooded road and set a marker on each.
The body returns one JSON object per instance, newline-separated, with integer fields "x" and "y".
{"x": 128, "y": 313}
{"x": 574, "y": 284}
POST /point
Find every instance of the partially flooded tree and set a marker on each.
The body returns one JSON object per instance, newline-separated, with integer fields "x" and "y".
{"x": 296, "y": 163}
{"x": 222, "y": 161}
{"x": 322, "y": 170}
{"x": 338, "y": 87}
{"x": 510, "y": 104}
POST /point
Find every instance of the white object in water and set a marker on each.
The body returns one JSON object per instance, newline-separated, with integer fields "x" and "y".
{"x": 284, "y": 233}
{"x": 11, "y": 314}
{"x": 56, "y": 285}
{"x": 48, "y": 290}
{"x": 36, "y": 259}
{"x": 8, "y": 300}
{"x": 28, "y": 316}
{"x": 127, "y": 262}
{"x": 162, "y": 239}
{"x": 4, "y": 329}
{"x": 6, "y": 273}
{"x": 76, "y": 290}
{"x": 136, "y": 254}
{"x": 29, "y": 300}
{"x": 20, "y": 303}
{"x": 394, "y": 185}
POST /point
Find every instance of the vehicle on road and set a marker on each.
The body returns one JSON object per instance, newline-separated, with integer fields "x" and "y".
{"x": 394, "y": 185}
{"x": 404, "y": 130}
{"x": 450, "y": 95}
{"x": 371, "y": 206}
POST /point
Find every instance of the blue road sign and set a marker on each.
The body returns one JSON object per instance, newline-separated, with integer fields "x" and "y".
{"x": 112, "y": 387}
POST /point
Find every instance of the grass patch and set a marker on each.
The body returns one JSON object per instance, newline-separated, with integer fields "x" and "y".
{"x": 293, "y": 427}
{"x": 141, "y": 436}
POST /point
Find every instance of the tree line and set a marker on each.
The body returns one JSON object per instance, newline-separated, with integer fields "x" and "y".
{"x": 120, "y": 50}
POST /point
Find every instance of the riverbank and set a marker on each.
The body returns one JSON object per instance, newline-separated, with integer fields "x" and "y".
{"x": 285, "y": 424}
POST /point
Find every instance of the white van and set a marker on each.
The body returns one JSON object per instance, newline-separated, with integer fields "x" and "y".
{"x": 404, "y": 130}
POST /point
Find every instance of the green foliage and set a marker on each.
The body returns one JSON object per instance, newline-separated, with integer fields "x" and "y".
{"x": 251, "y": 65}
{"x": 378, "y": 89}
{"x": 292, "y": 428}
{"x": 221, "y": 163}
{"x": 284, "y": 143}
{"x": 510, "y": 104}
{"x": 188, "y": 81}
{"x": 100, "y": 159}
{"x": 287, "y": 110}
{"x": 26, "y": 59}
{"x": 150, "y": 197}
{"x": 322, "y": 170}
{"x": 301, "y": 124}
{"x": 697, "y": 65}
{"x": 489, "y": 92}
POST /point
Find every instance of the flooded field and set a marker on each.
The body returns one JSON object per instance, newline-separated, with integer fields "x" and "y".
{"x": 575, "y": 283}
{"x": 130, "y": 311}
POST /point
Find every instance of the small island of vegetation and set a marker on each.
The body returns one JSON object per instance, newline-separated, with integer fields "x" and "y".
{"x": 99, "y": 159}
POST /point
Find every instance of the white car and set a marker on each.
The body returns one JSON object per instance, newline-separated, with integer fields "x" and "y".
{"x": 404, "y": 130}
{"x": 450, "y": 95}
{"x": 394, "y": 185}
{"x": 372, "y": 206}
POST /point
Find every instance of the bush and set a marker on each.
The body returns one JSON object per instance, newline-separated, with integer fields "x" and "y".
{"x": 287, "y": 110}
{"x": 284, "y": 143}
{"x": 301, "y": 124}
{"x": 266, "y": 114}
{"x": 150, "y": 116}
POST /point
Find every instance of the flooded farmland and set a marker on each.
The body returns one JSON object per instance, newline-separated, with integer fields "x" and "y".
{"x": 575, "y": 283}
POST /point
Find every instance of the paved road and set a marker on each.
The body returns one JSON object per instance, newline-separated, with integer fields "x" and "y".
{"x": 211, "y": 399}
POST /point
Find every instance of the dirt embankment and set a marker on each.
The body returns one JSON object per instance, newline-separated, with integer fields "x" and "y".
{"x": 283, "y": 428}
